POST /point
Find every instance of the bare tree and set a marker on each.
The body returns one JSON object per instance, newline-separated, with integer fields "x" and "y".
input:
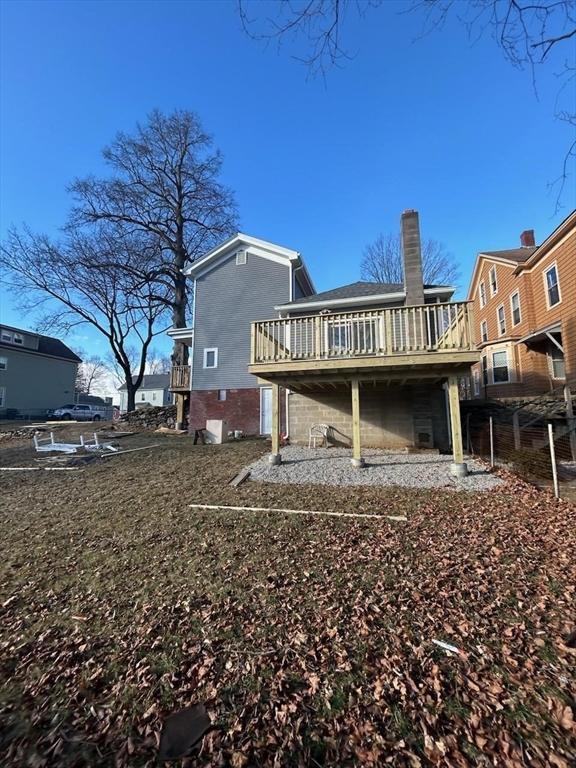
{"x": 68, "y": 280}
{"x": 382, "y": 262}
{"x": 528, "y": 32}
{"x": 157, "y": 362}
{"x": 91, "y": 371}
{"x": 163, "y": 186}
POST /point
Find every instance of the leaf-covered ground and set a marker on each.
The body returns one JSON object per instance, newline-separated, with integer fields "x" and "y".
{"x": 308, "y": 638}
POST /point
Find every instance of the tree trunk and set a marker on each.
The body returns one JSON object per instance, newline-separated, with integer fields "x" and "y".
{"x": 180, "y": 350}
{"x": 130, "y": 397}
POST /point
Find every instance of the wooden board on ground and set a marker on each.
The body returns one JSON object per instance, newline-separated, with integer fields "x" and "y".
{"x": 240, "y": 478}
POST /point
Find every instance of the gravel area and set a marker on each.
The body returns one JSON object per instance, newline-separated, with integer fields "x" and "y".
{"x": 331, "y": 466}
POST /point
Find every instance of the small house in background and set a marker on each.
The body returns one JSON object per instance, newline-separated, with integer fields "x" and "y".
{"x": 37, "y": 373}
{"x": 524, "y": 315}
{"x": 154, "y": 391}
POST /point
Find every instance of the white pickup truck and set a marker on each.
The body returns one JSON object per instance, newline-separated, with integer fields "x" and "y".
{"x": 81, "y": 412}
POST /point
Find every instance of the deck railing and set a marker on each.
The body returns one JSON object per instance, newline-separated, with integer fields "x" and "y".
{"x": 180, "y": 377}
{"x": 380, "y": 332}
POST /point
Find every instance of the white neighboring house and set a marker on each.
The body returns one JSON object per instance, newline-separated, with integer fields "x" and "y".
{"x": 154, "y": 391}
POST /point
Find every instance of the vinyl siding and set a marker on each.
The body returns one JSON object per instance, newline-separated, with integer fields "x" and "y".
{"x": 228, "y": 299}
{"x": 34, "y": 382}
{"x": 532, "y": 370}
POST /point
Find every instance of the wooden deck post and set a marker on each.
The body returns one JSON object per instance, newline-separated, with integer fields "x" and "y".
{"x": 458, "y": 467}
{"x": 275, "y": 457}
{"x": 180, "y": 402}
{"x": 357, "y": 460}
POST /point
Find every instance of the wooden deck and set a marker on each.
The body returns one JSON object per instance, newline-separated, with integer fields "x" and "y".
{"x": 431, "y": 337}
{"x": 180, "y": 378}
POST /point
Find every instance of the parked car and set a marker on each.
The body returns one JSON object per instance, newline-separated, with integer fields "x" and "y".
{"x": 81, "y": 412}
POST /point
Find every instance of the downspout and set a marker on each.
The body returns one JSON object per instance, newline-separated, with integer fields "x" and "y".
{"x": 287, "y": 396}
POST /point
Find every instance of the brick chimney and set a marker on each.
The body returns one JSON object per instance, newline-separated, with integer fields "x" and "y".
{"x": 527, "y": 239}
{"x": 412, "y": 257}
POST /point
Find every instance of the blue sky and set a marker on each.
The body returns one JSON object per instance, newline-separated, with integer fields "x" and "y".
{"x": 438, "y": 124}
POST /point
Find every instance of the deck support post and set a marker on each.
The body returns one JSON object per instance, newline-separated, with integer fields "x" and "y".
{"x": 275, "y": 457}
{"x": 357, "y": 460}
{"x": 458, "y": 468}
{"x": 180, "y": 403}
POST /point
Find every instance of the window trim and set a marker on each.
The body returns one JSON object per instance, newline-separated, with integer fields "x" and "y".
{"x": 223, "y": 392}
{"x": 18, "y": 339}
{"x": 241, "y": 258}
{"x": 498, "y": 308}
{"x": 494, "y": 291}
{"x": 7, "y": 337}
{"x": 516, "y": 293}
{"x": 205, "y": 356}
{"x": 484, "y": 327}
{"x": 482, "y": 294}
{"x": 549, "y": 268}
{"x": 3, "y": 363}
{"x": 506, "y": 351}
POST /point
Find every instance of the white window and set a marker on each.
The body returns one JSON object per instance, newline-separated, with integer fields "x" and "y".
{"x": 18, "y": 338}
{"x": 240, "y": 258}
{"x": 493, "y": 281}
{"x": 2, "y": 397}
{"x": 500, "y": 372}
{"x": 515, "y": 308}
{"x": 211, "y": 357}
{"x": 501, "y": 320}
{"x": 142, "y": 396}
{"x": 3, "y": 363}
{"x": 7, "y": 336}
{"x": 556, "y": 362}
{"x": 552, "y": 286}
{"x": 221, "y": 395}
{"x": 484, "y": 330}
{"x": 482, "y": 293}
{"x": 153, "y": 395}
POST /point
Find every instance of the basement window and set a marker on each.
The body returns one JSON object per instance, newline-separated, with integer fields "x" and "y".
{"x": 221, "y": 395}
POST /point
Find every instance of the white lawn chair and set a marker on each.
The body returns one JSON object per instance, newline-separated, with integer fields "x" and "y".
{"x": 318, "y": 432}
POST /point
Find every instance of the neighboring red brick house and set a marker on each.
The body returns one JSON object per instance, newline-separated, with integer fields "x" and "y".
{"x": 525, "y": 316}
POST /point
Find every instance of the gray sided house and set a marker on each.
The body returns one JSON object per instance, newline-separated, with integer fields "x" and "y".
{"x": 37, "y": 373}
{"x": 234, "y": 285}
{"x": 153, "y": 391}
{"x": 378, "y": 364}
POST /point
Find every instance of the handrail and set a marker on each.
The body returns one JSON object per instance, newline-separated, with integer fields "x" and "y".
{"x": 424, "y": 328}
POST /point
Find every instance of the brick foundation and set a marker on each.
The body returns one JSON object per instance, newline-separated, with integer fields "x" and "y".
{"x": 241, "y": 409}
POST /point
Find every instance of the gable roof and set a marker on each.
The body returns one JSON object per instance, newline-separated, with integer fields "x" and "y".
{"x": 361, "y": 291}
{"x": 151, "y": 381}
{"x": 564, "y": 229}
{"x": 517, "y": 255}
{"x": 251, "y": 245}
{"x": 47, "y": 345}
{"x": 511, "y": 257}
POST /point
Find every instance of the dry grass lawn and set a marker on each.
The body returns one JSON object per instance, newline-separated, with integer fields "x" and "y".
{"x": 309, "y": 639}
